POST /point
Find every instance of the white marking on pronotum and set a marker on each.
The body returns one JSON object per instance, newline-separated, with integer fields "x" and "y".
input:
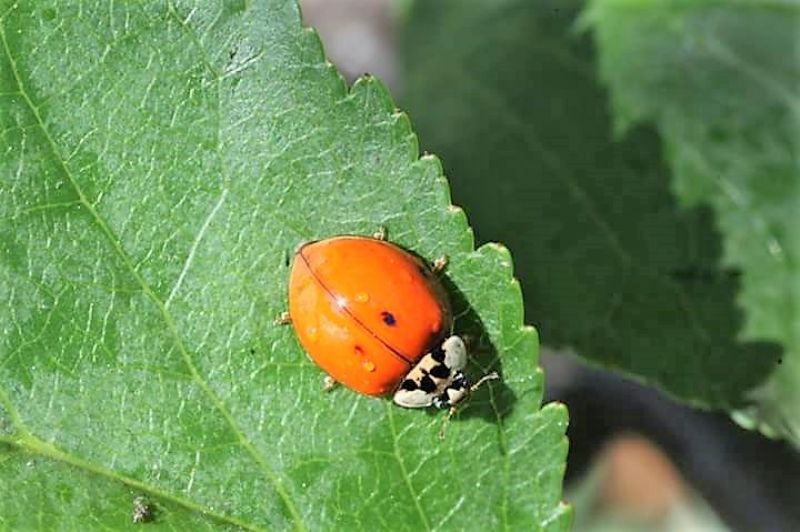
{"x": 193, "y": 249}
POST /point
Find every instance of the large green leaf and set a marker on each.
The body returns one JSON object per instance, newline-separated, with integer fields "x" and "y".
{"x": 159, "y": 164}
{"x": 611, "y": 265}
{"x": 722, "y": 83}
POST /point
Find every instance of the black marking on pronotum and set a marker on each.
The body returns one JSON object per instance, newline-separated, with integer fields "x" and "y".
{"x": 427, "y": 384}
{"x": 438, "y": 353}
{"x": 440, "y": 371}
{"x": 409, "y": 385}
{"x": 388, "y": 318}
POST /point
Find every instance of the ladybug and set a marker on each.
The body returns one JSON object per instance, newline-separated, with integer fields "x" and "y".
{"x": 376, "y": 319}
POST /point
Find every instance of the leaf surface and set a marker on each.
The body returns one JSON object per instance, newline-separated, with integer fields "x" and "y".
{"x": 722, "y": 84}
{"x": 160, "y": 162}
{"x": 612, "y": 265}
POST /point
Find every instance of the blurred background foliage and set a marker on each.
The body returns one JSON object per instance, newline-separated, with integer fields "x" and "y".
{"x": 640, "y": 160}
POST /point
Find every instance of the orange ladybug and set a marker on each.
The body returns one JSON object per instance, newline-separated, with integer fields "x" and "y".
{"x": 373, "y": 316}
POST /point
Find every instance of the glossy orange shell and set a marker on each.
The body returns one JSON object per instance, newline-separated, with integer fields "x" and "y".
{"x": 365, "y": 310}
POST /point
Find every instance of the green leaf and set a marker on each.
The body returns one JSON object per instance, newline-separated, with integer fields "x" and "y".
{"x": 611, "y": 265}
{"x": 160, "y": 162}
{"x": 722, "y": 84}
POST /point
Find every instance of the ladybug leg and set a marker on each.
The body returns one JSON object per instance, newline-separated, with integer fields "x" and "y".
{"x": 328, "y": 384}
{"x": 380, "y": 234}
{"x": 445, "y": 422}
{"x": 439, "y": 264}
{"x": 283, "y": 319}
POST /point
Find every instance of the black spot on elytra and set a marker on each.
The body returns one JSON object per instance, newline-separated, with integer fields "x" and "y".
{"x": 438, "y": 354}
{"x": 440, "y": 371}
{"x": 388, "y": 318}
{"x": 427, "y": 385}
{"x": 409, "y": 385}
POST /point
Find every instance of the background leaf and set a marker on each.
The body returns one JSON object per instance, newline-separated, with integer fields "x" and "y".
{"x": 611, "y": 265}
{"x": 159, "y": 164}
{"x": 720, "y": 81}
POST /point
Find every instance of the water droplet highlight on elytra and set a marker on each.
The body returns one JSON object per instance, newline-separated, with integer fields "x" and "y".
{"x": 362, "y": 297}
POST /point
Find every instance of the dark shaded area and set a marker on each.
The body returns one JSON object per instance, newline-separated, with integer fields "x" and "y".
{"x": 609, "y": 263}
{"x": 483, "y": 359}
{"x": 753, "y": 483}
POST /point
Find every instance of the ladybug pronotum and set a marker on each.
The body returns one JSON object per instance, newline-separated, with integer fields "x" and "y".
{"x": 374, "y": 317}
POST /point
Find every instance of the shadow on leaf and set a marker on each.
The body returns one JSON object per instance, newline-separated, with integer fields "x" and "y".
{"x": 610, "y": 264}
